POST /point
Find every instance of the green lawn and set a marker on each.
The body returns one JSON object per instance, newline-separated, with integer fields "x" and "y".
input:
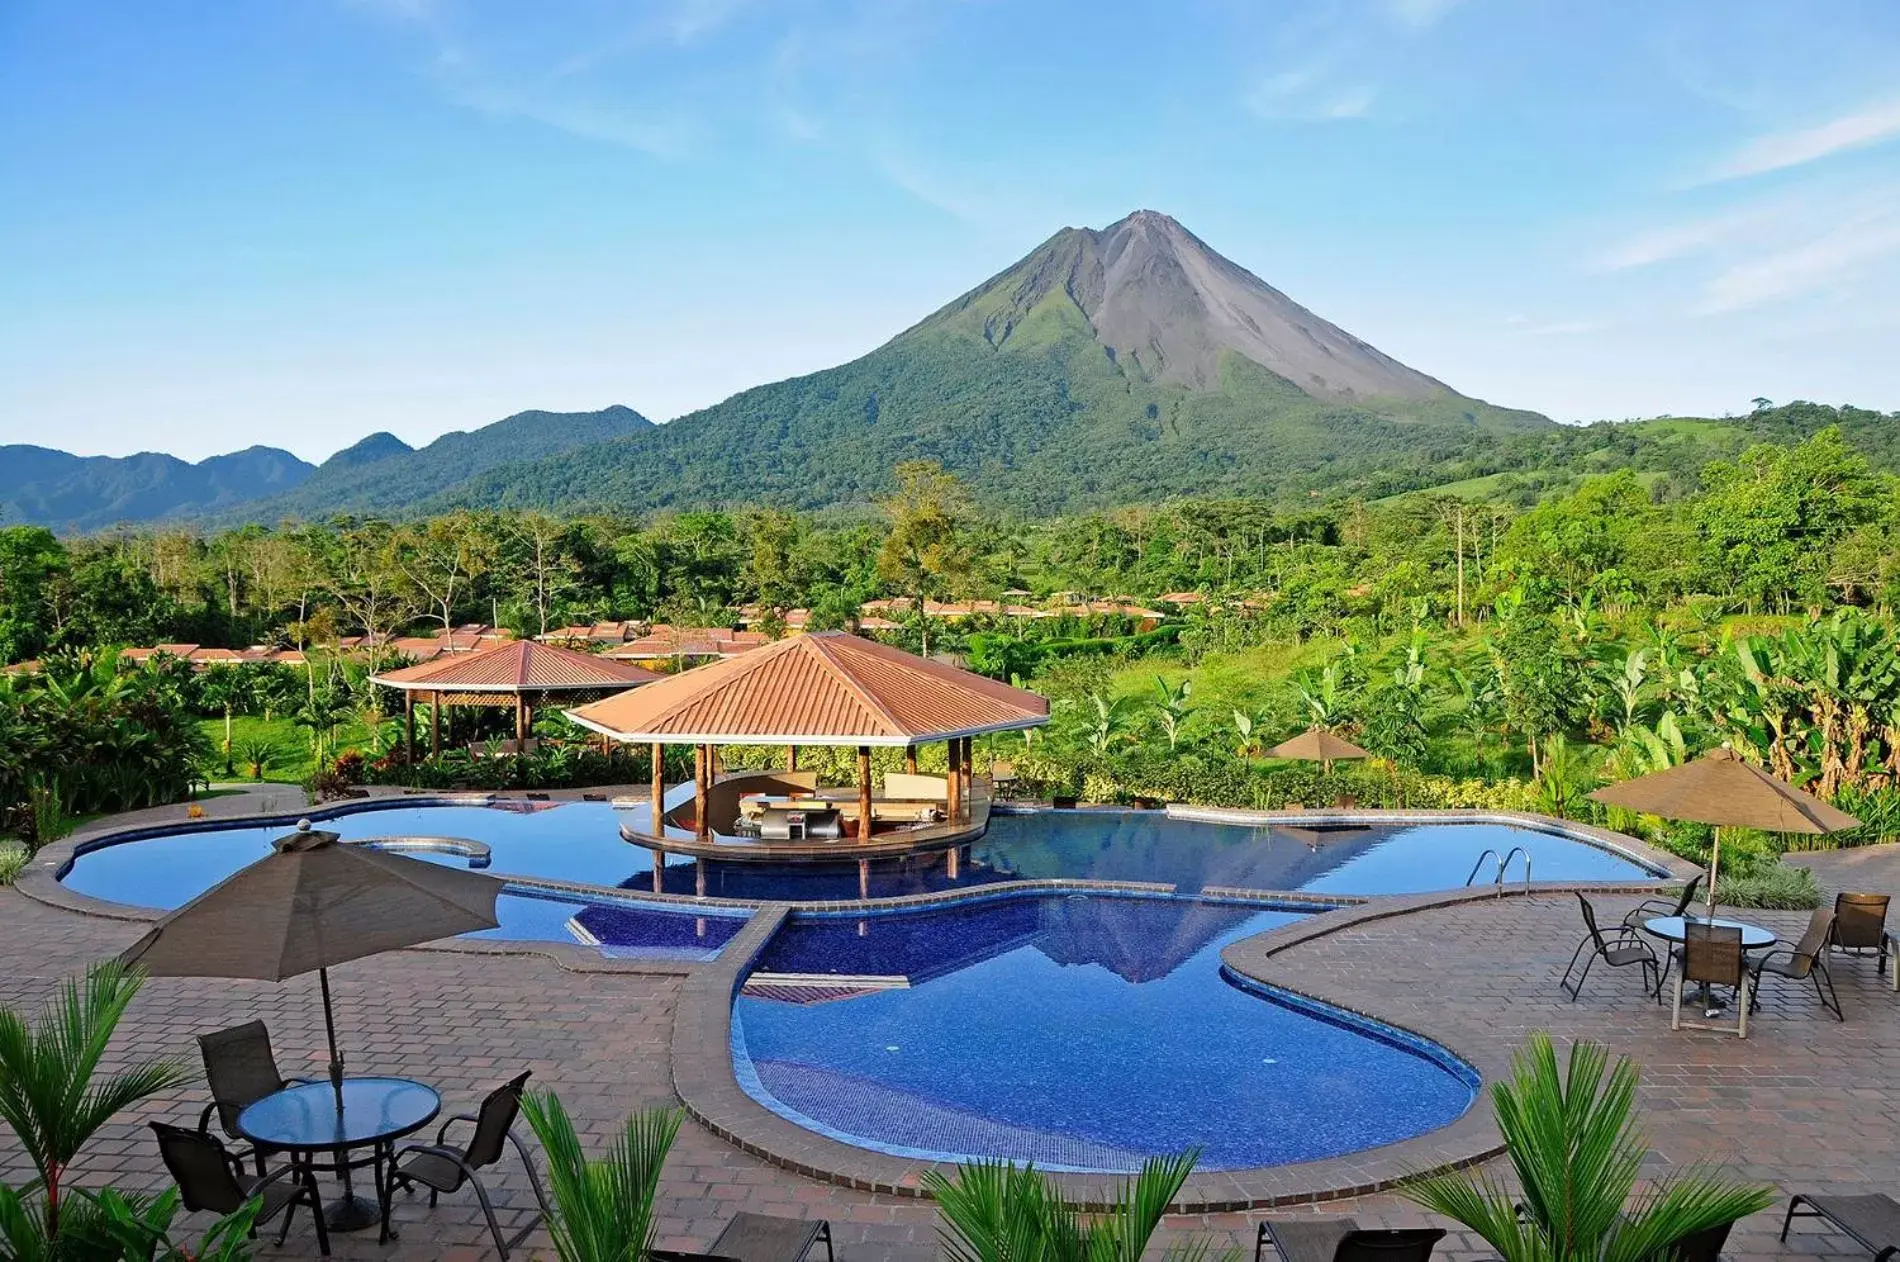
{"x": 293, "y": 764}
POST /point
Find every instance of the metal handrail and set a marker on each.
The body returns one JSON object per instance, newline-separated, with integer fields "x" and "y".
{"x": 1488, "y": 854}
{"x": 1504, "y": 865}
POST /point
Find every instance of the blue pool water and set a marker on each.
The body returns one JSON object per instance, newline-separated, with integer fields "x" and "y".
{"x": 1079, "y": 1032}
{"x": 621, "y": 930}
{"x": 580, "y": 842}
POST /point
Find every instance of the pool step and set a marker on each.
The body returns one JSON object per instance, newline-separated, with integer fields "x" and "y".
{"x": 811, "y": 988}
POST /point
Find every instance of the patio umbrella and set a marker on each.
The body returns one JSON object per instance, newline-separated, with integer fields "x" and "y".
{"x": 310, "y": 905}
{"x": 1720, "y": 789}
{"x": 1316, "y": 744}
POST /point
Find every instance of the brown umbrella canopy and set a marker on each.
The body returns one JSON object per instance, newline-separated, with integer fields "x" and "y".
{"x": 1719, "y": 788}
{"x": 310, "y": 905}
{"x": 1316, "y": 744}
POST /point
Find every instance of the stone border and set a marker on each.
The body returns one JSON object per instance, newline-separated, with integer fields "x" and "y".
{"x": 704, "y": 1079}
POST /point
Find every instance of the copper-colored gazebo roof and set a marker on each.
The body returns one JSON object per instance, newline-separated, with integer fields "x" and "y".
{"x": 826, "y": 688}
{"x": 518, "y": 666}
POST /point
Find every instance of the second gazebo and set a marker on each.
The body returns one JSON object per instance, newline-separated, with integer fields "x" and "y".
{"x": 826, "y": 688}
{"x": 520, "y": 674}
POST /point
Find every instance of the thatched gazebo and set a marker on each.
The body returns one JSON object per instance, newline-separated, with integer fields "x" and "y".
{"x": 522, "y": 674}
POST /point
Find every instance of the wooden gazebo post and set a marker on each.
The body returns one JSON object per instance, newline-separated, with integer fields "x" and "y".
{"x": 408, "y": 728}
{"x": 964, "y": 767}
{"x": 659, "y": 816}
{"x": 702, "y": 791}
{"x": 910, "y": 759}
{"x": 435, "y": 725}
{"x": 952, "y": 782}
{"x": 791, "y": 758}
{"x": 864, "y": 793}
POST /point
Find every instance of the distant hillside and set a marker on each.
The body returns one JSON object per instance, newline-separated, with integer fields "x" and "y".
{"x": 382, "y": 474}
{"x": 1131, "y": 363}
{"x": 77, "y": 493}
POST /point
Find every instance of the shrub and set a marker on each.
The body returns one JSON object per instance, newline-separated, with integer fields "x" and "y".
{"x": 13, "y": 859}
{"x": 1783, "y": 886}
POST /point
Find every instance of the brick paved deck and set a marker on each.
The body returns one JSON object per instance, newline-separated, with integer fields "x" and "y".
{"x": 1804, "y": 1102}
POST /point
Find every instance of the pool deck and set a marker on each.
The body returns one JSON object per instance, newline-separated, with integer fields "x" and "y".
{"x": 1804, "y": 1103}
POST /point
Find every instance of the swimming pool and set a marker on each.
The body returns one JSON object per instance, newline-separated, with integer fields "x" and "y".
{"x": 579, "y": 843}
{"x": 1078, "y": 1032}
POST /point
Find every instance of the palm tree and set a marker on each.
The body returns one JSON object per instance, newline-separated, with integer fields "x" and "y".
{"x": 1572, "y": 1140}
{"x": 603, "y": 1209}
{"x": 48, "y": 1092}
{"x": 994, "y": 1211}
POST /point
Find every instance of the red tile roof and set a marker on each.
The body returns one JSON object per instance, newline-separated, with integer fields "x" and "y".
{"x": 827, "y": 688}
{"x": 517, "y": 666}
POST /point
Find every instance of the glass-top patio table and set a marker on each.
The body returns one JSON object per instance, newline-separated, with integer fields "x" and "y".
{"x": 308, "y": 1119}
{"x": 1671, "y": 929}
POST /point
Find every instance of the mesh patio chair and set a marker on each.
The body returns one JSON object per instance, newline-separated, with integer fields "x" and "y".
{"x": 1342, "y": 1240}
{"x": 1806, "y": 959}
{"x": 1860, "y": 926}
{"x": 1711, "y": 955}
{"x": 1633, "y": 918}
{"x": 759, "y": 1238}
{"x": 441, "y": 1167}
{"x": 210, "y": 1178}
{"x": 240, "y": 1069}
{"x": 1618, "y": 952}
{"x": 1871, "y": 1220}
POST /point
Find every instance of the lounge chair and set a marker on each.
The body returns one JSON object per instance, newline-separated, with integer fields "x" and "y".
{"x": 1711, "y": 955}
{"x": 240, "y": 1069}
{"x": 1872, "y": 1220}
{"x": 759, "y": 1238}
{"x": 1618, "y": 952}
{"x": 1860, "y": 926}
{"x": 210, "y": 1178}
{"x": 1806, "y": 959}
{"x": 442, "y": 1168}
{"x": 1342, "y": 1240}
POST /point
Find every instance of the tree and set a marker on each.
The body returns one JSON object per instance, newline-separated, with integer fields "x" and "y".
{"x": 923, "y": 553}
{"x": 29, "y": 559}
{"x": 541, "y": 569}
{"x": 444, "y": 557}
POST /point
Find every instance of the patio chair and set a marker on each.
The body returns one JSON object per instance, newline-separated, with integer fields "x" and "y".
{"x": 1806, "y": 959}
{"x": 443, "y": 1168}
{"x": 210, "y": 1178}
{"x": 1860, "y": 926}
{"x": 1871, "y": 1220}
{"x": 1618, "y": 952}
{"x": 240, "y": 1069}
{"x": 759, "y": 1238}
{"x": 1711, "y": 955}
{"x": 1633, "y": 918}
{"x": 1343, "y": 1240}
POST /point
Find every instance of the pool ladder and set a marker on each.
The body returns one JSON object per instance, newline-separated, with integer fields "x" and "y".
{"x": 1504, "y": 864}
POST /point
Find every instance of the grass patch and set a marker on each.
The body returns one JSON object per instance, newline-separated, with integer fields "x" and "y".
{"x": 12, "y": 861}
{"x": 293, "y": 763}
{"x": 1783, "y": 887}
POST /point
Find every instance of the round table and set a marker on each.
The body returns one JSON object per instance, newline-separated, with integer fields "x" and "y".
{"x": 305, "y": 1120}
{"x": 1670, "y": 929}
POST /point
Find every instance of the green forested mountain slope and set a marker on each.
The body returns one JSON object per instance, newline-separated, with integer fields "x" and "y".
{"x": 1106, "y": 367}
{"x": 55, "y": 488}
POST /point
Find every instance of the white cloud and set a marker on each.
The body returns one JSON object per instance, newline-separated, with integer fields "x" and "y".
{"x": 1870, "y": 125}
{"x": 1307, "y": 95}
{"x": 1812, "y": 265}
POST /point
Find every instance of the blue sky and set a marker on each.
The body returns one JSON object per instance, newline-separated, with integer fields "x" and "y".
{"x": 301, "y": 221}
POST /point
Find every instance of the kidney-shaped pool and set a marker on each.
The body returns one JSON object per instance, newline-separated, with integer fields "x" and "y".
{"x": 1078, "y": 1032}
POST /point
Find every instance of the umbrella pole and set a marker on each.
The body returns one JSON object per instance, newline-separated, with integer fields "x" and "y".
{"x": 1715, "y": 864}
{"x": 329, "y": 1026}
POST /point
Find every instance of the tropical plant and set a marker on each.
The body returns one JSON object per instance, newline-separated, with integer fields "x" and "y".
{"x": 1571, "y": 1136}
{"x": 603, "y": 1208}
{"x": 993, "y": 1211}
{"x": 1171, "y": 708}
{"x": 51, "y": 1092}
{"x": 13, "y": 858}
{"x": 258, "y": 754}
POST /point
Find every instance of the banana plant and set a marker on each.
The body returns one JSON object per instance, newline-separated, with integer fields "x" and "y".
{"x": 1171, "y": 708}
